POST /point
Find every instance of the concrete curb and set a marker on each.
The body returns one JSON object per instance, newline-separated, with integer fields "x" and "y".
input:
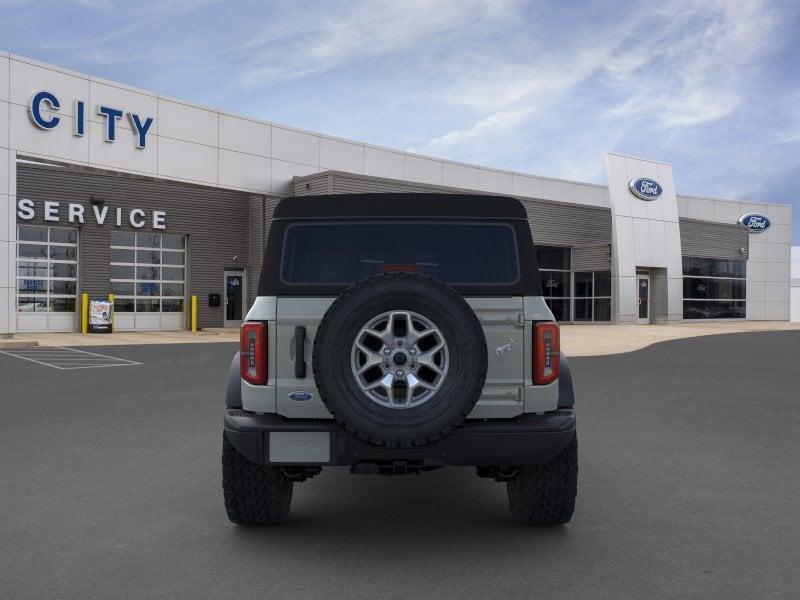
{"x": 127, "y": 338}
{"x": 18, "y": 344}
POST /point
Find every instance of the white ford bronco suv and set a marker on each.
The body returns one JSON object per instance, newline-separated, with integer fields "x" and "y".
{"x": 394, "y": 334}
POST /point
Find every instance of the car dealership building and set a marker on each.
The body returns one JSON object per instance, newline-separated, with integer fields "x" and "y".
{"x": 106, "y": 189}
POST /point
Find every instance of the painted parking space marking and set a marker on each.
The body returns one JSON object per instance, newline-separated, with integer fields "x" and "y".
{"x": 66, "y": 359}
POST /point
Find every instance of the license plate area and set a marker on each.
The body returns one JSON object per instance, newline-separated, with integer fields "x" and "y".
{"x": 299, "y": 447}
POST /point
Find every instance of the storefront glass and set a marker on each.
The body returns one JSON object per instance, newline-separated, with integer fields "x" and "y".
{"x": 578, "y": 296}
{"x": 714, "y": 288}
{"x": 554, "y": 267}
{"x": 592, "y": 296}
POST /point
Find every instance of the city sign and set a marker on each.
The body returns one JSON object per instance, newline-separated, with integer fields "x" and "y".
{"x": 44, "y": 107}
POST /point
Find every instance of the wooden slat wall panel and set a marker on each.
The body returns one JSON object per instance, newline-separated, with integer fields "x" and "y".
{"x": 312, "y": 187}
{"x": 411, "y": 187}
{"x": 591, "y": 258}
{"x": 552, "y": 223}
{"x": 260, "y": 222}
{"x": 215, "y": 221}
{"x": 255, "y": 245}
{"x": 713, "y": 240}
{"x": 559, "y": 224}
{"x": 342, "y": 185}
{"x": 269, "y": 209}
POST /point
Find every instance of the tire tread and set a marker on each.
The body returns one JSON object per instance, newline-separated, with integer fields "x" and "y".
{"x": 545, "y": 494}
{"x": 254, "y": 494}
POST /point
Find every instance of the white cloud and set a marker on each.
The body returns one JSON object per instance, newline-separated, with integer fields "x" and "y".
{"x": 692, "y": 75}
{"x": 321, "y": 41}
{"x": 496, "y": 124}
{"x": 670, "y": 67}
{"x": 533, "y": 86}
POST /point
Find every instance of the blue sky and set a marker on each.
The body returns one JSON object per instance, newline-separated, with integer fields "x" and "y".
{"x": 712, "y": 87}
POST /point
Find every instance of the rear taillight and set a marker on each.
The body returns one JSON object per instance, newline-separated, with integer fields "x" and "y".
{"x": 253, "y": 352}
{"x": 546, "y": 353}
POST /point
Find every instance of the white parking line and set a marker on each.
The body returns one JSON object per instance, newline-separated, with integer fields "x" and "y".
{"x": 61, "y": 353}
{"x": 65, "y": 359}
{"x": 29, "y": 359}
{"x": 103, "y": 355}
{"x": 93, "y": 366}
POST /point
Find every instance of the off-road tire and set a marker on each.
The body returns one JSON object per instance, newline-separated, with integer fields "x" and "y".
{"x": 417, "y": 425}
{"x": 545, "y": 494}
{"x": 254, "y": 494}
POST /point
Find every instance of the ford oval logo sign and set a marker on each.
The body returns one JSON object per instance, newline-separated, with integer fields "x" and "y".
{"x": 646, "y": 189}
{"x": 301, "y": 396}
{"x": 754, "y": 222}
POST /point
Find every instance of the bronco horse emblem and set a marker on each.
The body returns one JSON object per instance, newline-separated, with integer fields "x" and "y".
{"x": 504, "y": 350}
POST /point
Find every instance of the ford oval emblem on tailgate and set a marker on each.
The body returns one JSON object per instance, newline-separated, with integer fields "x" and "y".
{"x": 300, "y": 396}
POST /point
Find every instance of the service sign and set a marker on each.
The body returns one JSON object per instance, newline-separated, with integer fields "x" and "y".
{"x": 645, "y": 189}
{"x": 74, "y": 212}
{"x": 754, "y": 222}
{"x": 100, "y": 316}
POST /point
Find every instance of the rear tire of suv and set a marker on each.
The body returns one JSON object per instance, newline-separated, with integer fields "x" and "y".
{"x": 545, "y": 494}
{"x": 254, "y": 494}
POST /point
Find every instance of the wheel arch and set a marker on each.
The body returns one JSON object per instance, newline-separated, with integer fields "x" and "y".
{"x": 233, "y": 392}
{"x": 566, "y": 393}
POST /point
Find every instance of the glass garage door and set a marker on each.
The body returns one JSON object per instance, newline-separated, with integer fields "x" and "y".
{"x": 47, "y": 278}
{"x": 148, "y": 279}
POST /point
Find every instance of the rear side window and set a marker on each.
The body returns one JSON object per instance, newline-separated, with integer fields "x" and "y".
{"x": 458, "y": 253}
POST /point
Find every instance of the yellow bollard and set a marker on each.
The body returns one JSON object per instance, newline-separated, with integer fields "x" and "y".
{"x": 194, "y": 313}
{"x": 111, "y": 298}
{"x": 84, "y": 312}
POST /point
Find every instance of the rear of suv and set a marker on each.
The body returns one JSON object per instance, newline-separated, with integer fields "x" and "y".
{"x": 394, "y": 334}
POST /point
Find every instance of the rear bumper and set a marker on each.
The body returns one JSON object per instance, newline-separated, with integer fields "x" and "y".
{"x": 525, "y": 440}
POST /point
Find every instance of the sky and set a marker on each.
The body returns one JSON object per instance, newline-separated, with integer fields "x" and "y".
{"x": 710, "y": 86}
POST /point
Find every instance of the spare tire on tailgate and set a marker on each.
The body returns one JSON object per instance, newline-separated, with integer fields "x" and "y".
{"x": 400, "y": 359}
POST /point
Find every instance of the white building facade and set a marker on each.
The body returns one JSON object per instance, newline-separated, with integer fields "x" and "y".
{"x": 109, "y": 189}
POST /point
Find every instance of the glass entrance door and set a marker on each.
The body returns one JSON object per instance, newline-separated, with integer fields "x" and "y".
{"x": 234, "y": 298}
{"x": 643, "y": 287}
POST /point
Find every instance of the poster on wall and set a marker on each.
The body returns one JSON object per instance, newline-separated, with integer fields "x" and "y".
{"x": 100, "y": 316}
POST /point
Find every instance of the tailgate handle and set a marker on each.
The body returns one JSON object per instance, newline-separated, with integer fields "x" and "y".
{"x": 300, "y": 352}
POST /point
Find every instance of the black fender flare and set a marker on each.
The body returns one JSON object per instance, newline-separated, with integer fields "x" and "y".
{"x": 233, "y": 393}
{"x": 566, "y": 394}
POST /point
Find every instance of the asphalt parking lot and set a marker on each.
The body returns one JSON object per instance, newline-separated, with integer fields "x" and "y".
{"x": 688, "y": 488}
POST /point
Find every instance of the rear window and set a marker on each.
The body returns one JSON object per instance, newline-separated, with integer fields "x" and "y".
{"x": 458, "y": 253}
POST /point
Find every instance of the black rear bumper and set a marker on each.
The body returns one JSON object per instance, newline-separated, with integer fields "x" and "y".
{"x": 525, "y": 440}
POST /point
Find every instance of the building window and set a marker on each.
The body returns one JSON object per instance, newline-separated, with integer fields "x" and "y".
{"x": 47, "y": 269}
{"x": 554, "y": 268}
{"x": 573, "y": 297}
{"x": 148, "y": 272}
{"x": 714, "y": 288}
{"x": 592, "y": 299}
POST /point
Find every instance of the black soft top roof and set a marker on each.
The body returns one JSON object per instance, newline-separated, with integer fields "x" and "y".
{"x": 371, "y": 205}
{"x": 403, "y": 206}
